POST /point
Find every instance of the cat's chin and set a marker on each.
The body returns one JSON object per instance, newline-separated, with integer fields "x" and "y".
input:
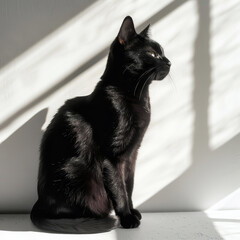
{"x": 160, "y": 77}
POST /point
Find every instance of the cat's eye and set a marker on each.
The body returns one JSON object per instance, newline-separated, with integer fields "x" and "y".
{"x": 154, "y": 54}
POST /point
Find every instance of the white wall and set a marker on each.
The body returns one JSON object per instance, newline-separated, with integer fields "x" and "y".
{"x": 54, "y": 50}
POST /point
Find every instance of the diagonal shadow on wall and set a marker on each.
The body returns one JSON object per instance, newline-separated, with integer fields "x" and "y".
{"x": 26, "y": 22}
{"x": 213, "y": 174}
{"x": 98, "y": 56}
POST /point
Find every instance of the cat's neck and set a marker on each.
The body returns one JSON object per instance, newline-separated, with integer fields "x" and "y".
{"x": 132, "y": 86}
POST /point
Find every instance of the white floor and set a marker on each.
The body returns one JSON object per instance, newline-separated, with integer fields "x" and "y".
{"x": 213, "y": 225}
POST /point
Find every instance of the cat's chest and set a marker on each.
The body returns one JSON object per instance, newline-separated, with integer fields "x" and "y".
{"x": 140, "y": 114}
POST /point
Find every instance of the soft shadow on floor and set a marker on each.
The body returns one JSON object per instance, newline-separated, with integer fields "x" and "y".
{"x": 17, "y": 222}
{"x": 154, "y": 226}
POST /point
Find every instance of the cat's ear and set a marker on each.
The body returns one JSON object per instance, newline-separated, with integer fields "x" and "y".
{"x": 145, "y": 31}
{"x": 127, "y": 31}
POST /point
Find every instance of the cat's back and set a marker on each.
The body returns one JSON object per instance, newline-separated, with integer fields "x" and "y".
{"x": 79, "y": 116}
{"x": 70, "y": 118}
{"x": 75, "y": 106}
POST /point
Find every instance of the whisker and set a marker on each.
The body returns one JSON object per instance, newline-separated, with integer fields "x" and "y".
{"x": 144, "y": 86}
{"x": 172, "y": 83}
{"x": 146, "y": 72}
{"x": 140, "y": 78}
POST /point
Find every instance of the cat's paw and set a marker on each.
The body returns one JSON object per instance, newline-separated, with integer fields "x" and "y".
{"x": 136, "y": 213}
{"x": 129, "y": 221}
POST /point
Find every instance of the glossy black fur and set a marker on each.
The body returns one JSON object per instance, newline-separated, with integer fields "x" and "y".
{"x": 89, "y": 150}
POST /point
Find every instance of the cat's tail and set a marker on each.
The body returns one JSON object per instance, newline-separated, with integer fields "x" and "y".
{"x": 76, "y": 226}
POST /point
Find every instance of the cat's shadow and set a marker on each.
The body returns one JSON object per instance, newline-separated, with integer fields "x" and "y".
{"x": 157, "y": 226}
{"x": 19, "y": 166}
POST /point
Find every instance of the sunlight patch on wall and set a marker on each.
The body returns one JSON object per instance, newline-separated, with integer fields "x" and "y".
{"x": 166, "y": 149}
{"x": 48, "y": 62}
{"x": 224, "y": 110}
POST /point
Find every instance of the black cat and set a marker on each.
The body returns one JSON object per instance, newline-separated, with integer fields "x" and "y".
{"x": 89, "y": 150}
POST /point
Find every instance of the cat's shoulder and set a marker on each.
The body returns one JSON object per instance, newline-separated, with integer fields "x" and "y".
{"x": 75, "y": 105}
{"x": 76, "y": 101}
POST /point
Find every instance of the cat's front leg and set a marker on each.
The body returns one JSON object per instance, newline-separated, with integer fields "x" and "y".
{"x": 136, "y": 213}
{"x": 116, "y": 189}
{"x": 129, "y": 182}
{"x": 129, "y": 187}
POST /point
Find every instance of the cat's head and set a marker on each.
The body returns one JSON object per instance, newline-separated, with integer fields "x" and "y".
{"x": 135, "y": 60}
{"x": 140, "y": 54}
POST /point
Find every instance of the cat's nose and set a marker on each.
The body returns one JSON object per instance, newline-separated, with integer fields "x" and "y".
{"x": 169, "y": 63}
